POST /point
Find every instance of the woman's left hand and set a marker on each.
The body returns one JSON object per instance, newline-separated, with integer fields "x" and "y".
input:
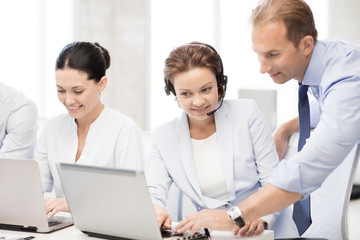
{"x": 55, "y": 205}
{"x": 216, "y": 219}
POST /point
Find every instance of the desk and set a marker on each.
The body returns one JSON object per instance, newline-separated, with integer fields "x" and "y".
{"x": 74, "y": 234}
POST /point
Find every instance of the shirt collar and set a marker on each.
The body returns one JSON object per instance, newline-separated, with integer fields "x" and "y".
{"x": 314, "y": 71}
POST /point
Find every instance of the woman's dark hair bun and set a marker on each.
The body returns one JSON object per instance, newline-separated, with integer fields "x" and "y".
{"x": 105, "y": 53}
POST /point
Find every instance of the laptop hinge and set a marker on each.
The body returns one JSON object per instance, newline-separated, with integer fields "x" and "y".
{"x": 11, "y": 227}
{"x": 99, "y": 235}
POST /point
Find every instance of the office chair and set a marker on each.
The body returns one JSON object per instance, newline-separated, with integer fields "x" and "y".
{"x": 329, "y": 203}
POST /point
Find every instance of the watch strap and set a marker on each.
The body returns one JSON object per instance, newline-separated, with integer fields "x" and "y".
{"x": 239, "y": 221}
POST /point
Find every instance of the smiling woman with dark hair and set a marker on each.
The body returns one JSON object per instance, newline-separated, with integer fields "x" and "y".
{"x": 90, "y": 133}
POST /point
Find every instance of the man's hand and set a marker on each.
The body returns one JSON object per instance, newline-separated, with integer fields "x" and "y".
{"x": 281, "y": 143}
{"x": 282, "y": 136}
{"x": 255, "y": 227}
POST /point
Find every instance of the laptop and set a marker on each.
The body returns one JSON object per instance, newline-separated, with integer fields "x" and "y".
{"x": 22, "y": 206}
{"x": 112, "y": 203}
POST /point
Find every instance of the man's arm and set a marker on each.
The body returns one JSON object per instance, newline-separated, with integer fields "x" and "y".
{"x": 267, "y": 200}
{"x": 282, "y": 135}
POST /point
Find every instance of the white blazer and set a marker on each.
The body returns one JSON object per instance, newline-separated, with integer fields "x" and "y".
{"x": 246, "y": 147}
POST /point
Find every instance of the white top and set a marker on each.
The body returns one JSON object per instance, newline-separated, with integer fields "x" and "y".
{"x": 18, "y": 124}
{"x": 208, "y": 166}
{"x": 113, "y": 140}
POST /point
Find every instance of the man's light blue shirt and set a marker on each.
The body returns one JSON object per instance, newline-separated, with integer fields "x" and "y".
{"x": 333, "y": 75}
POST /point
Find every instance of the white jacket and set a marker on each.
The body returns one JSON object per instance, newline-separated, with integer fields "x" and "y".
{"x": 246, "y": 147}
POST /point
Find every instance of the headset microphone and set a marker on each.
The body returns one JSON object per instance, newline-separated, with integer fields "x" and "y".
{"x": 213, "y": 111}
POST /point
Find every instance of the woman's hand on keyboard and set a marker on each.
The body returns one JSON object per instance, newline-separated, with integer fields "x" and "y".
{"x": 163, "y": 217}
{"x": 55, "y": 205}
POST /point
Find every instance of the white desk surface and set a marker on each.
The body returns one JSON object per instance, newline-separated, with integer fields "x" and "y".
{"x": 74, "y": 234}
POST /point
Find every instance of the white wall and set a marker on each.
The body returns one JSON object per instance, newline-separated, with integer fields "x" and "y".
{"x": 139, "y": 35}
{"x": 344, "y": 19}
{"x": 32, "y": 34}
{"x": 123, "y": 28}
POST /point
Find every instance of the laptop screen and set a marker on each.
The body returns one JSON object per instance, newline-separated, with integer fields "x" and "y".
{"x": 109, "y": 201}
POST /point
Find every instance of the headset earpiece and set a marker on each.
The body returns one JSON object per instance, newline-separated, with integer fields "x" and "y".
{"x": 225, "y": 80}
{"x": 169, "y": 88}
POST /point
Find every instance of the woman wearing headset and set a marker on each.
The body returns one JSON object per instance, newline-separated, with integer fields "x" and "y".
{"x": 218, "y": 151}
{"x": 90, "y": 132}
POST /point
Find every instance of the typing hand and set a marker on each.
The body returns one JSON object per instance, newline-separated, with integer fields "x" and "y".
{"x": 163, "y": 217}
{"x": 55, "y": 205}
{"x": 214, "y": 219}
{"x": 255, "y": 227}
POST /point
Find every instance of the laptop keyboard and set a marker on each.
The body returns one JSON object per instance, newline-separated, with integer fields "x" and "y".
{"x": 168, "y": 233}
{"x": 165, "y": 233}
{"x": 53, "y": 223}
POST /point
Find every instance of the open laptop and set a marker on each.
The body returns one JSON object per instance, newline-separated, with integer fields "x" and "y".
{"x": 22, "y": 205}
{"x": 112, "y": 203}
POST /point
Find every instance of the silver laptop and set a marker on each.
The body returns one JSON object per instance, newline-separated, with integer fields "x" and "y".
{"x": 21, "y": 198}
{"x": 112, "y": 203}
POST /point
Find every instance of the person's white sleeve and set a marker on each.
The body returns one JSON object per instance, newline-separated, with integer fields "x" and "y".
{"x": 157, "y": 177}
{"x": 129, "y": 149}
{"x": 21, "y": 134}
{"x": 264, "y": 148}
{"x": 265, "y": 153}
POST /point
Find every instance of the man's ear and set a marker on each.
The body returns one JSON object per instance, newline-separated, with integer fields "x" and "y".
{"x": 307, "y": 44}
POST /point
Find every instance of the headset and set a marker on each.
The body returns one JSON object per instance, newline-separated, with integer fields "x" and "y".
{"x": 221, "y": 79}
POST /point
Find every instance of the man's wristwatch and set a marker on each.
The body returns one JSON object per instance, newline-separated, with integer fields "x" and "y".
{"x": 235, "y": 215}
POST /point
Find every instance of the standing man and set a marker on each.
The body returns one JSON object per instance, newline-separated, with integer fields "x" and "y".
{"x": 285, "y": 39}
{"x": 18, "y": 124}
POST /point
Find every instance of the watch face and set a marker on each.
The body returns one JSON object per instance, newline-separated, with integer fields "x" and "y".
{"x": 233, "y": 211}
